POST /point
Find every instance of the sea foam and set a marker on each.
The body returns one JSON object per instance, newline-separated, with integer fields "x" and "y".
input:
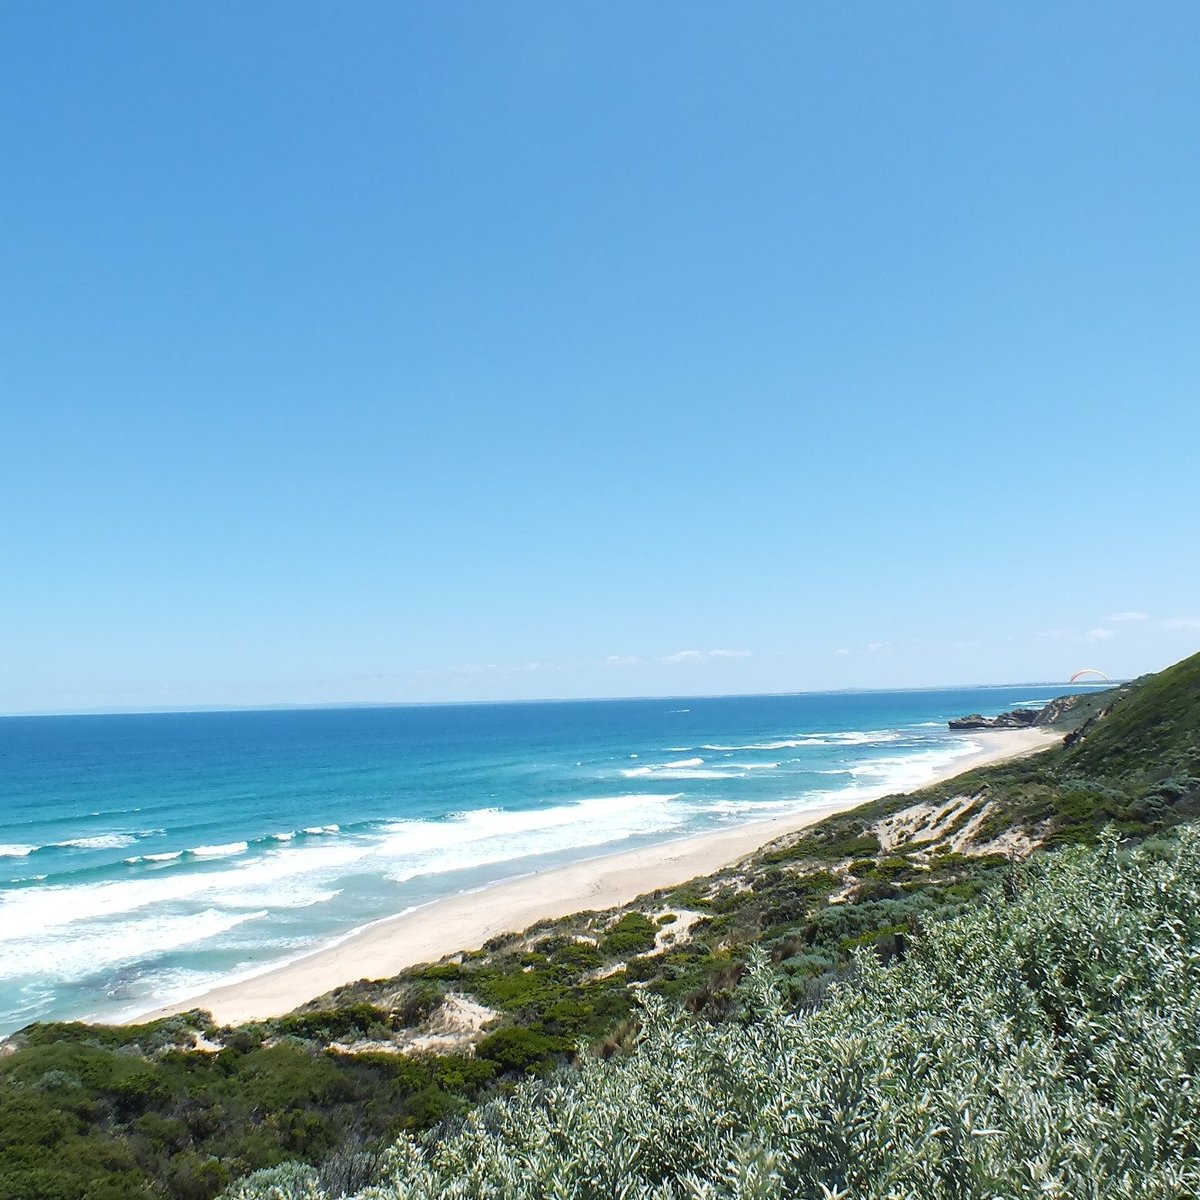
{"x": 490, "y": 836}
{"x": 282, "y": 879}
{"x": 679, "y": 774}
{"x": 101, "y": 946}
{"x": 849, "y": 737}
{"x": 680, "y": 769}
{"x": 102, "y": 841}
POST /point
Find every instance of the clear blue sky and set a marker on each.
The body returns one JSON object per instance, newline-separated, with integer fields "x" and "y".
{"x": 416, "y": 352}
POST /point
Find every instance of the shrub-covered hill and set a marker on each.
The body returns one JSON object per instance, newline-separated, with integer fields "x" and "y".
{"x": 1133, "y": 763}
{"x": 1148, "y": 735}
{"x": 1043, "y": 1043}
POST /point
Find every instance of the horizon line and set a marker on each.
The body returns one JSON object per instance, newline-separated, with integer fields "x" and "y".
{"x": 332, "y": 706}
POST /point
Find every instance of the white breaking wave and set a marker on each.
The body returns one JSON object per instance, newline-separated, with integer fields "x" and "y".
{"x": 166, "y": 856}
{"x": 102, "y": 841}
{"x": 291, "y": 878}
{"x": 790, "y": 744}
{"x": 681, "y": 773}
{"x": 746, "y": 807}
{"x": 686, "y": 768}
{"x": 488, "y": 836}
{"x": 901, "y": 773}
{"x": 319, "y": 829}
{"x": 222, "y": 851}
{"x": 296, "y": 874}
{"x": 283, "y": 878}
{"x": 16, "y": 851}
{"x": 851, "y": 737}
{"x": 96, "y": 946}
{"x": 416, "y": 837}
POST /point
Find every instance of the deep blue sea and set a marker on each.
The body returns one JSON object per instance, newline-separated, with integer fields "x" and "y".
{"x": 144, "y": 857}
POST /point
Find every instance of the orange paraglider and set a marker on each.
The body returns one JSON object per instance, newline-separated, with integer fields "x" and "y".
{"x": 1089, "y": 671}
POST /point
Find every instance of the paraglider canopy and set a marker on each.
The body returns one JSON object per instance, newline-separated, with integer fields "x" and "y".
{"x": 1089, "y": 671}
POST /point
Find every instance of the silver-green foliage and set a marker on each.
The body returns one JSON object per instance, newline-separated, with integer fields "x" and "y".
{"x": 290, "y": 1181}
{"x": 1043, "y": 1044}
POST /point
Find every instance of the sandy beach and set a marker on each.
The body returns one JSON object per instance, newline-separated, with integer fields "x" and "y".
{"x": 468, "y": 920}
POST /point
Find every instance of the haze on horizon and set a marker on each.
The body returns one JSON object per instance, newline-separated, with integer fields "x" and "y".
{"x": 367, "y": 354}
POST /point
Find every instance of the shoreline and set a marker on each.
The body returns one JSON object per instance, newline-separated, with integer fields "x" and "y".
{"x": 468, "y": 919}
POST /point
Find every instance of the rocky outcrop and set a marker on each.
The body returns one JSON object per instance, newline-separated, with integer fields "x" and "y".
{"x": 1059, "y": 711}
{"x": 1019, "y": 718}
{"x": 1056, "y": 710}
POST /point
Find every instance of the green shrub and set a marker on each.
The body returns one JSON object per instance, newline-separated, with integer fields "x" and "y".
{"x": 347, "y": 1023}
{"x": 578, "y": 956}
{"x": 831, "y": 841}
{"x": 516, "y": 1049}
{"x": 512, "y": 989}
{"x": 632, "y": 934}
{"x": 288, "y": 1181}
{"x": 443, "y": 971}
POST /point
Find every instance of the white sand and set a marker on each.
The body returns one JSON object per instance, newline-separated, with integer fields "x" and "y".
{"x": 468, "y": 920}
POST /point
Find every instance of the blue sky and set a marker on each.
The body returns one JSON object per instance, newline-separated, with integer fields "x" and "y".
{"x": 418, "y": 352}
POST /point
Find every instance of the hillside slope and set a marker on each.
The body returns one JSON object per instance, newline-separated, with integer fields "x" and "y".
{"x": 1041, "y": 1044}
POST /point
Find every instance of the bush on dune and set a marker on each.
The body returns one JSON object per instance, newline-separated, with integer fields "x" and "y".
{"x": 1042, "y": 1043}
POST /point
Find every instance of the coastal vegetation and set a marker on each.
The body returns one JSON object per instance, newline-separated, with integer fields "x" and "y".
{"x": 1041, "y": 1043}
{"x": 966, "y": 1007}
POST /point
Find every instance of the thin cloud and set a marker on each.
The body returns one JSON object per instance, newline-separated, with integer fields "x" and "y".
{"x": 682, "y": 656}
{"x": 873, "y": 646}
{"x": 1128, "y": 616}
{"x": 1101, "y": 634}
{"x": 1181, "y": 623}
{"x": 622, "y": 660}
{"x": 841, "y": 652}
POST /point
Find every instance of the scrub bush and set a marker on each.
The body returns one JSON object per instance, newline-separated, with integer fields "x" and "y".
{"x": 1042, "y": 1043}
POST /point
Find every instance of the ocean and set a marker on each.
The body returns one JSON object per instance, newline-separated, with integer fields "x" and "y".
{"x": 144, "y": 857}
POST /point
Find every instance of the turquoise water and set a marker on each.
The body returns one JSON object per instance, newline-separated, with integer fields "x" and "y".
{"x": 144, "y": 857}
